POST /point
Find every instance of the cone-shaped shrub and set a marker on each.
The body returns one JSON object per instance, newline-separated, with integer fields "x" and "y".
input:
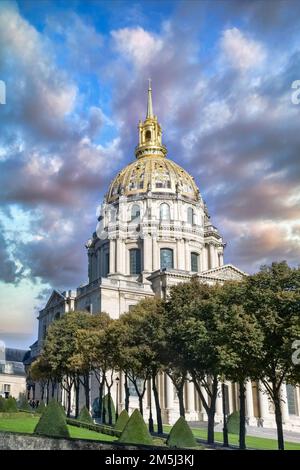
{"x": 136, "y": 431}
{"x": 106, "y": 399}
{"x": 122, "y": 421}
{"x": 41, "y": 407}
{"x": 11, "y": 405}
{"x": 181, "y": 435}
{"x": 233, "y": 423}
{"x": 52, "y": 422}
{"x": 84, "y": 416}
{"x": 2, "y": 404}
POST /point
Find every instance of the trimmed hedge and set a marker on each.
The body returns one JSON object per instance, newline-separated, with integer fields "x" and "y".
{"x": 102, "y": 428}
{"x": 181, "y": 435}
{"x": 136, "y": 431}
{"x": 10, "y": 405}
{"x": 233, "y": 423}
{"x": 2, "y": 404}
{"x": 122, "y": 421}
{"x": 52, "y": 422}
{"x": 40, "y": 409}
{"x": 84, "y": 416}
{"x": 105, "y": 409}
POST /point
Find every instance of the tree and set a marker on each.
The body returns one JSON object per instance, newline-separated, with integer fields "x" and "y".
{"x": 148, "y": 335}
{"x": 193, "y": 336}
{"x": 62, "y": 350}
{"x": 242, "y": 342}
{"x": 273, "y": 297}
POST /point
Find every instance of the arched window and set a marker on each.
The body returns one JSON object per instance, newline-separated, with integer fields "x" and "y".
{"x": 194, "y": 262}
{"x": 135, "y": 261}
{"x": 190, "y": 216}
{"x": 164, "y": 212}
{"x": 166, "y": 258}
{"x": 135, "y": 211}
{"x": 148, "y": 135}
{"x": 57, "y": 316}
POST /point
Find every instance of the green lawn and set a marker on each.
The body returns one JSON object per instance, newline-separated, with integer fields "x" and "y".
{"x": 251, "y": 441}
{"x": 27, "y": 424}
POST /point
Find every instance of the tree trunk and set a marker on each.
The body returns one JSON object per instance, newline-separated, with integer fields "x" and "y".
{"x": 87, "y": 390}
{"x": 224, "y": 407}
{"x": 141, "y": 404}
{"x": 127, "y": 393}
{"x": 69, "y": 402}
{"x": 181, "y": 401}
{"x": 42, "y": 392}
{"x": 101, "y": 387}
{"x": 52, "y": 389}
{"x": 157, "y": 405}
{"x": 278, "y": 418}
{"x": 47, "y": 392}
{"x": 211, "y": 412}
{"x": 242, "y": 436}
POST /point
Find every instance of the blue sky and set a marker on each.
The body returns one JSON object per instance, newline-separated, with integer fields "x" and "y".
{"x": 76, "y": 78}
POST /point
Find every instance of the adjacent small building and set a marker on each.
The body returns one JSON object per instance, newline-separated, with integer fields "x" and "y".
{"x": 12, "y": 372}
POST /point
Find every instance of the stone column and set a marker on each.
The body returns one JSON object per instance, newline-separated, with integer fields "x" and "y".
{"x": 147, "y": 253}
{"x": 112, "y": 258}
{"x": 216, "y": 258}
{"x": 180, "y": 254}
{"x": 119, "y": 256}
{"x": 211, "y": 249}
{"x": 204, "y": 256}
{"x": 155, "y": 254}
{"x": 221, "y": 259}
{"x": 219, "y": 408}
{"x": 249, "y": 400}
{"x": 204, "y": 393}
{"x": 187, "y": 256}
{"x": 263, "y": 402}
{"x": 284, "y": 404}
{"x": 190, "y": 397}
{"x": 169, "y": 395}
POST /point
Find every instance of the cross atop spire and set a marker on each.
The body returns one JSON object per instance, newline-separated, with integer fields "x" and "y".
{"x": 149, "y": 104}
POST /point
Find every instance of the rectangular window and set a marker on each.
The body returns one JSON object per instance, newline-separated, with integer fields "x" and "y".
{"x": 291, "y": 399}
{"x": 135, "y": 261}
{"x": 6, "y": 388}
{"x": 166, "y": 258}
{"x": 194, "y": 262}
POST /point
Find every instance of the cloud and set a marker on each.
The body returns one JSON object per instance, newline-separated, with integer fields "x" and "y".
{"x": 241, "y": 52}
{"x": 137, "y": 45}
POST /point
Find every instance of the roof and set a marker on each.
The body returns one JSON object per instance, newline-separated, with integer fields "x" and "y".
{"x": 15, "y": 355}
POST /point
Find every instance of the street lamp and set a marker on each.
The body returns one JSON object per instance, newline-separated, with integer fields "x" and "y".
{"x": 151, "y": 427}
{"x": 117, "y": 398}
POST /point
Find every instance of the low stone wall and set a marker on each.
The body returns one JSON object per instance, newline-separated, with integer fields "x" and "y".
{"x": 18, "y": 441}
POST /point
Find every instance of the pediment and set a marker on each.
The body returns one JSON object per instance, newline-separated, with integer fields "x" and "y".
{"x": 55, "y": 298}
{"x": 228, "y": 272}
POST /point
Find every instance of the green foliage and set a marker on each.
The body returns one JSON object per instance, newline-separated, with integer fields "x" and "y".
{"x": 122, "y": 421}
{"x": 11, "y": 405}
{"x": 2, "y": 404}
{"x": 105, "y": 408}
{"x": 84, "y": 416}
{"x": 181, "y": 435}
{"x": 23, "y": 403}
{"x": 136, "y": 431}
{"x": 52, "y": 422}
{"x": 233, "y": 423}
{"x": 40, "y": 409}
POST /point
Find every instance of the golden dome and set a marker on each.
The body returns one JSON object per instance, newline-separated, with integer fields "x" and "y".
{"x": 152, "y": 171}
{"x": 155, "y": 174}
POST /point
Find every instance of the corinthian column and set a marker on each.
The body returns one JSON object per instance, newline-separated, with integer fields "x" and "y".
{"x": 112, "y": 258}
{"x": 249, "y": 400}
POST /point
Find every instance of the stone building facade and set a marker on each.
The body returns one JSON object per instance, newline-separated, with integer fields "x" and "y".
{"x": 154, "y": 231}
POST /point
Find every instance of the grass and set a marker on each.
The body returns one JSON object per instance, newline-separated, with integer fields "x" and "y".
{"x": 27, "y": 424}
{"x": 253, "y": 442}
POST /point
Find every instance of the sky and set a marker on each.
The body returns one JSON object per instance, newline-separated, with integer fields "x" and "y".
{"x": 75, "y": 75}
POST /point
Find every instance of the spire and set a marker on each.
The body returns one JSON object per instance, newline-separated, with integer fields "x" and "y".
{"x": 149, "y": 104}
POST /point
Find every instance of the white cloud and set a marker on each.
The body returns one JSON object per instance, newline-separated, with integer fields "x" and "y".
{"x": 241, "y": 52}
{"x": 137, "y": 45}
